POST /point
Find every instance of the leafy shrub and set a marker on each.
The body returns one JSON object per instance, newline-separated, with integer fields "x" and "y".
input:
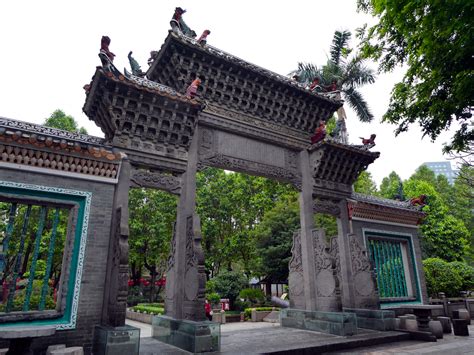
{"x": 466, "y": 272}
{"x": 232, "y": 312}
{"x": 213, "y": 298}
{"x": 253, "y": 295}
{"x": 241, "y": 305}
{"x": 155, "y": 308}
{"x": 229, "y": 283}
{"x": 441, "y": 277}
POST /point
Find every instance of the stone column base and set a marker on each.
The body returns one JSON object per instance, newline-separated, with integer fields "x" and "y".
{"x": 337, "y": 323}
{"x": 195, "y": 337}
{"x": 116, "y": 340}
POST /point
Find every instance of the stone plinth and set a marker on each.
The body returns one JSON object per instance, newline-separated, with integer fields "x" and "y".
{"x": 123, "y": 340}
{"x": 373, "y": 319}
{"x": 196, "y": 337}
{"x": 337, "y": 323}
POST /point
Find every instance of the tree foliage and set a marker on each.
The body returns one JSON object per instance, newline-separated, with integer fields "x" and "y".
{"x": 434, "y": 39}
{"x": 390, "y": 186}
{"x": 365, "y": 184}
{"x": 441, "y": 277}
{"x": 152, "y": 214}
{"x": 60, "y": 120}
{"x": 350, "y": 73}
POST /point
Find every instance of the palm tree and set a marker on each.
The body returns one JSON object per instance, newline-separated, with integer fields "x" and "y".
{"x": 348, "y": 74}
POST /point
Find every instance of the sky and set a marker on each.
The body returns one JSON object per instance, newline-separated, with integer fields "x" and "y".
{"x": 49, "y": 52}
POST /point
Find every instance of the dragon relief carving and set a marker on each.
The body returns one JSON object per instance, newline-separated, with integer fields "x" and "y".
{"x": 325, "y": 264}
{"x": 169, "y": 183}
{"x": 359, "y": 258}
{"x": 171, "y": 257}
{"x": 226, "y": 162}
{"x": 295, "y": 261}
{"x": 191, "y": 259}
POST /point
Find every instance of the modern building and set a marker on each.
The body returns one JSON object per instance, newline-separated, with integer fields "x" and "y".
{"x": 443, "y": 168}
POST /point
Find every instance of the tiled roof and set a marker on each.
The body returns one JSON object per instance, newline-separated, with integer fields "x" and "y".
{"x": 253, "y": 67}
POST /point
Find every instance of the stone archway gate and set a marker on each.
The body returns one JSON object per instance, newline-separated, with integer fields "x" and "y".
{"x": 246, "y": 119}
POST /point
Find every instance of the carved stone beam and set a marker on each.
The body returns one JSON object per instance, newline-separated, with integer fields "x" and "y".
{"x": 144, "y": 178}
{"x": 326, "y": 206}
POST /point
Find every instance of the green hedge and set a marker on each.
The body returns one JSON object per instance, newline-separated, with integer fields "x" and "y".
{"x": 450, "y": 278}
{"x": 155, "y": 308}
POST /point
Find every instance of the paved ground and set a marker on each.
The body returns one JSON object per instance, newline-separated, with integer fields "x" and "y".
{"x": 449, "y": 345}
{"x": 261, "y": 337}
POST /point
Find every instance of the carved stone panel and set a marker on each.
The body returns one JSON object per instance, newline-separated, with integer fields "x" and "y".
{"x": 363, "y": 275}
{"x": 195, "y": 276}
{"x": 144, "y": 178}
{"x": 295, "y": 278}
{"x": 327, "y": 206}
{"x": 327, "y": 283}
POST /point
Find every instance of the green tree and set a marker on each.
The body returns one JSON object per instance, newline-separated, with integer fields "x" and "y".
{"x": 60, "y": 120}
{"x": 390, "y": 186}
{"x": 152, "y": 213}
{"x": 444, "y": 236}
{"x": 349, "y": 72}
{"x": 434, "y": 39}
{"x": 365, "y": 184}
{"x": 274, "y": 239}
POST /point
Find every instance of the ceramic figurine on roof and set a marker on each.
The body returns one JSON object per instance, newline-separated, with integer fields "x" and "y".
{"x": 203, "y": 39}
{"x": 419, "y": 201}
{"x": 320, "y": 133}
{"x": 178, "y": 25}
{"x": 104, "y": 48}
{"x": 136, "y": 70}
{"x": 107, "y": 57}
{"x": 369, "y": 141}
{"x": 153, "y": 55}
{"x": 315, "y": 85}
{"x": 192, "y": 89}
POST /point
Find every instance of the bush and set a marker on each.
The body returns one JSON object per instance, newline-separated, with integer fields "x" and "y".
{"x": 466, "y": 272}
{"x": 441, "y": 277}
{"x": 241, "y": 305}
{"x": 253, "y": 295}
{"x": 213, "y": 298}
{"x": 229, "y": 283}
{"x": 155, "y": 308}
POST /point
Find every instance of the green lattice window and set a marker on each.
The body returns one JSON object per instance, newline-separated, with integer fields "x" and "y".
{"x": 393, "y": 260}
{"x": 42, "y": 238}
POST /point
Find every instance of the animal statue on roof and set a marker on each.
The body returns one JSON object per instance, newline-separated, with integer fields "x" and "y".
{"x": 136, "y": 69}
{"x": 191, "y": 91}
{"x": 153, "y": 56}
{"x": 107, "y": 57}
{"x": 421, "y": 201}
{"x": 178, "y": 25}
{"x": 320, "y": 133}
{"x": 203, "y": 39}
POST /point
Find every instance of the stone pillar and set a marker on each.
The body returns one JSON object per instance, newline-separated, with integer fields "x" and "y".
{"x": 185, "y": 288}
{"x": 357, "y": 276}
{"x": 307, "y": 225}
{"x": 116, "y": 284}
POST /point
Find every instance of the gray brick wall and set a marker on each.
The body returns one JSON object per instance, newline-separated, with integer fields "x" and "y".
{"x": 95, "y": 262}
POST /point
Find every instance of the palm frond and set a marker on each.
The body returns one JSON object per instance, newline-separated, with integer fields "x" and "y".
{"x": 357, "y": 102}
{"x": 306, "y": 73}
{"x": 357, "y": 74}
{"x": 340, "y": 46}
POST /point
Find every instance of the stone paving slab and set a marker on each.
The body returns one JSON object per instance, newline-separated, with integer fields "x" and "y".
{"x": 449, "y": 345}
{"x": 268, "y": 338}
